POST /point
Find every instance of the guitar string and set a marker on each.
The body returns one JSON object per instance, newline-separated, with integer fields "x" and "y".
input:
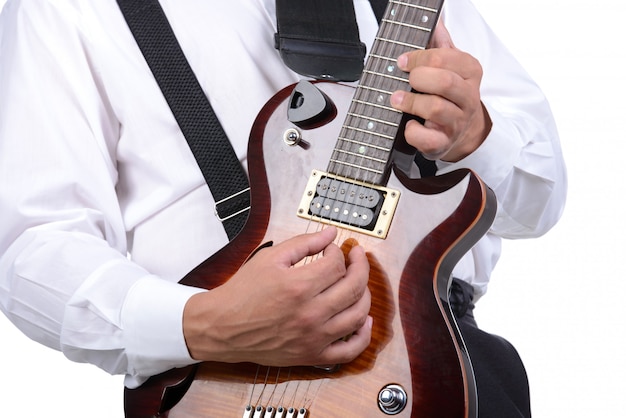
{"x": 287, "y": 384}
{"x": 258, "y": 402}
{"x": 271, "y": 397}
{"x": 342, "y": 236}
{"x": 319, "y": 386}
{"x": 345, "y": 234}
{"x": 256, "y": 375}
{"x": 266, "y": 383}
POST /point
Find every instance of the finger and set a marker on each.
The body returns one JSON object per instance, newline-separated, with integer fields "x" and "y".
{"x": 336, "y": 286}
{"x": 438, "y": 109}
{"x": 430, "y": 139}
{"x": 318, "y": 273}
{"x": 351, "y": 287}
{"x": 445, "y": 84}
{"x": 349, "y": 319}
{"x": 349, "y": 298}
{"x": 346, "y": 350}
{"x": 302, "y": 246}
{"x": 443, "y": 58}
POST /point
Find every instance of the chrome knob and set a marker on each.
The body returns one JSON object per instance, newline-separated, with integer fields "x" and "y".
{"x": 392, "y": 399}
{"x": 292, "y": 137}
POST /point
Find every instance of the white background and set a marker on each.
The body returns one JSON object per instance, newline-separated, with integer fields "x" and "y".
{"x": 559, "y": 299}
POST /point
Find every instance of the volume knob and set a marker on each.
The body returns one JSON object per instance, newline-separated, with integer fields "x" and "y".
{"x": 392, "y": 399}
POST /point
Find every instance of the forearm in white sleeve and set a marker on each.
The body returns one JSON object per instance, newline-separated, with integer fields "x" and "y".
{"x": 65, "y": 278}
{"x": 521, "y": 158}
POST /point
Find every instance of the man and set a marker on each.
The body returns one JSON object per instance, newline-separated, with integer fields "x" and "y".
{"x": 104, "y": 208}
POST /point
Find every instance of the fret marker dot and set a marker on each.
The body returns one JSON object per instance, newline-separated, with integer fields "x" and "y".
{"x": 371, "y": 125}
{"x": 381, "y": 98}
{"x": 362, "y": 149}
{"x": 391, "y": 68}
{"x": 424, "y": 19}
{"x": 393, "y": 12}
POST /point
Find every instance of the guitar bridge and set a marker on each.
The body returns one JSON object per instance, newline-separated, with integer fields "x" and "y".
{"x": 349, "y": 204}
{"x": 271, "y": 412}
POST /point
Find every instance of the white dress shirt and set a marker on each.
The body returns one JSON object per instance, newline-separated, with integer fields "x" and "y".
{"x": 103, "y": 208}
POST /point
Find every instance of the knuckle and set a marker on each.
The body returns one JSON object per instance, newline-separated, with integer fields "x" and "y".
{"x": 337, "y": 268}
{"x": 297, "y": 290}
{"x": 447, "y": 81}
{"x": 434, "y": 59}
{"x": 437, "y": 108}
{"x": 307, "y": 321}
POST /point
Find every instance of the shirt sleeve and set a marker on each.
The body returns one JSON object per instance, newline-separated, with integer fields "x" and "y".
{"x": 521, "y": 159}
{"x": 65, "y": 277}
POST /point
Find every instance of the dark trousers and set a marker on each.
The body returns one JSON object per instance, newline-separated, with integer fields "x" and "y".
{"x": 501, "y": 380}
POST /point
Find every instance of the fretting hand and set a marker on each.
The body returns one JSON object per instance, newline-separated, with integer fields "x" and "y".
{"x": 448, "y": 79}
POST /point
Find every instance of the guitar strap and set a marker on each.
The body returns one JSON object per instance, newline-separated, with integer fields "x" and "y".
{"x": 320, "y": 39}
{"x": 214, "y": 153}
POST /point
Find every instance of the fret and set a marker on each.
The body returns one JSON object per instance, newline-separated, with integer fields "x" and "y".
{"x": 377, "y": 97}
{"x": 376, "y": 105}
{"x": 385, "y": 149}
{"x": 366, "y": 131}
{"x": 417, "y": 6}
{"x": 376, "y": 89}
{"x": 377, "y": 73}
{"x": 373, "y": 89}
{"x": 365, "y": 143}
{"x": 406, "y": 44}
{"x": 371, "y": 119}
{"x": 354, "y": 145}
{"x": 359, "y": 167}
{"x": 352, "y": 154}
{"x": 408, "y": 25}
{"x": 381, "y": 57}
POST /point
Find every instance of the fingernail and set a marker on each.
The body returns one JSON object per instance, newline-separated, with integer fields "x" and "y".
{"x": 403, "y": 61}
{"x": 370, "y": 322}
{"x": 397, "y": 98}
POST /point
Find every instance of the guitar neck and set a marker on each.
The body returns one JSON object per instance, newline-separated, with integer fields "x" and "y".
{"x": 363, "y": 150}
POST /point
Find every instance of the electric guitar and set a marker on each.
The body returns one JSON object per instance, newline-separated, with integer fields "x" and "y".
{"x": 309, "y": 168}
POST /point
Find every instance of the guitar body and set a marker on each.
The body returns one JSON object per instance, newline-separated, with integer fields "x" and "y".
{"x": 415, "y": 341}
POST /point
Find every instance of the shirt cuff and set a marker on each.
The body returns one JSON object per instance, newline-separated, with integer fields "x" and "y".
{"x": 493, "y": 159}
{"x": 152, "y": 320}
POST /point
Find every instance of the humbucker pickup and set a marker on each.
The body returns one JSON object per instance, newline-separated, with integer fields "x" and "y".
{"x": 349, "y": 204}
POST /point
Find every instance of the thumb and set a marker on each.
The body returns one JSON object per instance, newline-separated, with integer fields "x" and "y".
{"x": 441, "y": 37}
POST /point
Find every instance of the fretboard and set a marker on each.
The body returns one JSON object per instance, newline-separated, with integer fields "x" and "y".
{"x": 365, "y": 143}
